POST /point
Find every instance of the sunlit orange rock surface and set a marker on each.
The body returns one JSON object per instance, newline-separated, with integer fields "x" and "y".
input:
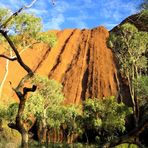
{"x": 80, "y": 61}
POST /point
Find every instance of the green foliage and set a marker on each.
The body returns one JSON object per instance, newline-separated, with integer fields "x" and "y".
{"x": 126, "y": 145}
{"x": 142, "y": 88}
{"x": 71, "y": 114}
{"x": 48, "y": 94}
{"x": 44, "y": 104}
{"x": 9, "y": 113}
{"x": 4, "y": 15}
{"x": 12, "y": 111}
{"x": 54, "y": 116}
{"x": 142, "y": 93}
{"x": 50, "y": 90}
{"x": 59, "y": 115}
{"x": 3, "y": 112}
{"x": 49, "y": 38}
{"x": 34, "y": 144}
{"x": 25, "y": 29}
{"x": 47, "y": 105}
{"x": 27, "y": 24}
{"x": 130, "y": 47}
{"x": 9, "y": 138}
{"x": 34, "y": 106}
{"x": 105, "y": 116}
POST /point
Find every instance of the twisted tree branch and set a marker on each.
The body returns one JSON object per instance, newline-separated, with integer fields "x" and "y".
{"x": 9, "y": 58}
{"x": 21, "y": 95}
{"x": 19, "y": 59}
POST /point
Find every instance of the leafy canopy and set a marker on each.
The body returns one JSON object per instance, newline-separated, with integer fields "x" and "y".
{"x": 105, "y": 115}
{"x": 25, "y": 29}
{"x": 48, "y": 94}
{"x": 130, "y": 46}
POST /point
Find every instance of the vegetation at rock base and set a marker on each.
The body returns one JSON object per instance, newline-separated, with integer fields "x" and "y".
{"x": 105, "y": 117}
{"x": 130, "y": 48}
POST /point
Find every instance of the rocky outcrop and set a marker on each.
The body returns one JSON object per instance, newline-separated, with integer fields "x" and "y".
{"x": 80, "y": 61}
{"x": 139, "y": 20}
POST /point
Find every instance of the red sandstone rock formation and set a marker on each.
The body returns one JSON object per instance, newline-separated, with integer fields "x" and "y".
{"x": 80, "y": 61}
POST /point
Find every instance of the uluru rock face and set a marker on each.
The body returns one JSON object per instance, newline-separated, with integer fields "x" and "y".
{"x": 80, "y": 61}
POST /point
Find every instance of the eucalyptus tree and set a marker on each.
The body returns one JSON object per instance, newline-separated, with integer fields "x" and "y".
{"x": 18, "y": 30}
{"x": 142, "y": 93}
{"x": 105, "y": 117}
{"x": 71, "y": 125}
{"x": 50, "y": 96}
{"x": 130, "y": 47}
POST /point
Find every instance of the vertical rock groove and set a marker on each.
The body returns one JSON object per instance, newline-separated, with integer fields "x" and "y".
{"x": 42, "y": 60}
{"x": 60, "y": 54}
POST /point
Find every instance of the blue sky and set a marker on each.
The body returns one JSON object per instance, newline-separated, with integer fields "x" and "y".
{"x": 78, "y": 13}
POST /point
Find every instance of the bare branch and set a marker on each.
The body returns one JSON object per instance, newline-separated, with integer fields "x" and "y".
{"x": 19, "y": 59}
{"x": 26, "y": 90}
{"x": 9, "y": 58}
{"x": 4, "y": 25}
{"x": 30, "y": 5}
{"x": 13, "y": 58}
{"x": 21, "y": 95}
{"x": 13, "y": 126}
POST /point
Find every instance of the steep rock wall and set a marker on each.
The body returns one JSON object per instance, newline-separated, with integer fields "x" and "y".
{"x": 80, "y": 61}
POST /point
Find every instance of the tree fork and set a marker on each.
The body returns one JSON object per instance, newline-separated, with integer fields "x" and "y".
{"x": 19, "y": 59}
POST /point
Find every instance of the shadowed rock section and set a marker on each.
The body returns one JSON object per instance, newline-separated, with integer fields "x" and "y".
{"x": 139, "y": 20}
{"x": 80, "y": 61}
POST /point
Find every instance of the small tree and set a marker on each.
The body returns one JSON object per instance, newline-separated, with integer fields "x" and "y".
{"x": 49, "y": 96}
{"x": 105, "y": 117}
{"x": 71, "y": 125}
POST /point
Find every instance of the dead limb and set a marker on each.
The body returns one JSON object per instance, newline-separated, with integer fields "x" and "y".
{"x": 130, "y": 137}
{"x": 8, "y": 58}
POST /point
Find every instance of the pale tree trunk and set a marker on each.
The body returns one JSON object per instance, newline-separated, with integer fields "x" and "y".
{"x": 25, "y": 138}
{"x": 44, "y": 128}
{"x": 131, "y": 77}
{"x": 47, "y": 136}
{"x": 4, "y": 79}
{"x": 136, "y": 96}
{"x": 133, "y": 96}
{"x": 5, "y": 75}
{"x": 7, "y": 70}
